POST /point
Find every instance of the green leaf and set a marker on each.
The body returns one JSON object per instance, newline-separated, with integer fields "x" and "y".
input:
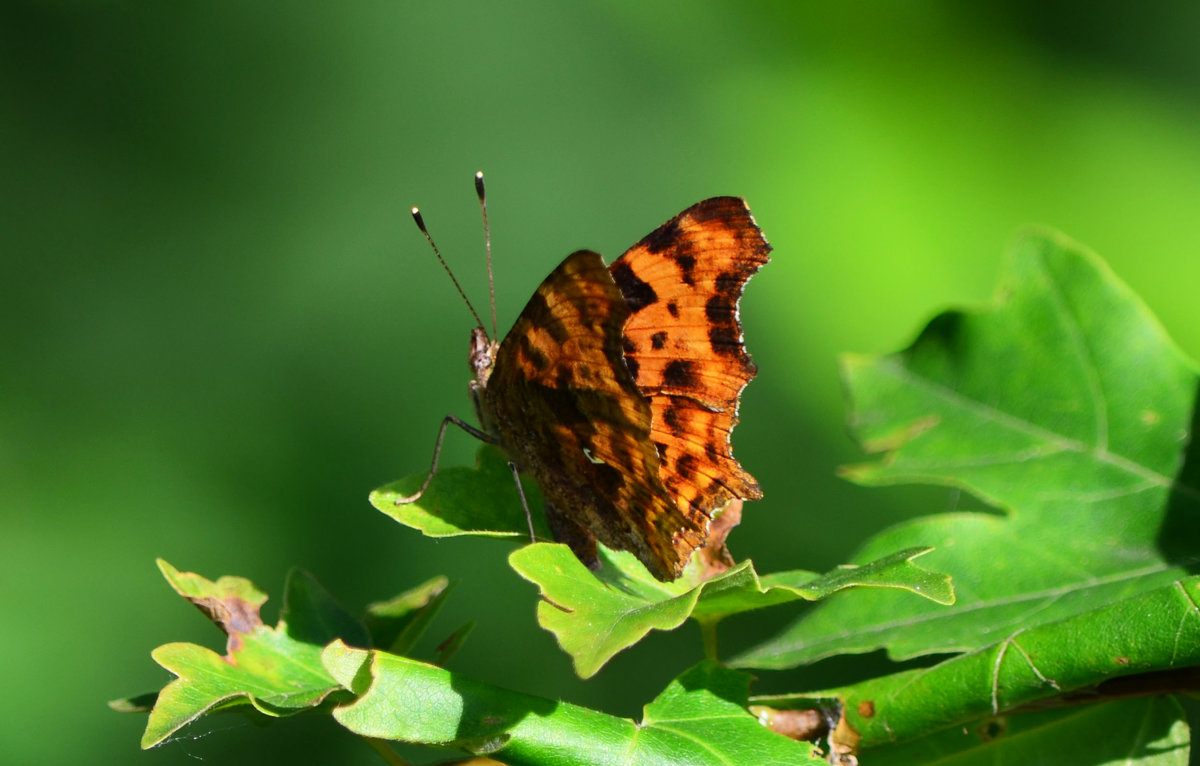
{"x": 701, "y": 718}
{"x": 313, "y": 616}
{"x": 276, "y": 670}
{"x": 1092, "y": 656}
{"x": 594, "y": 616}
{"x": 1143, "y": 732}
{"x": 397, "y": 623}
{"x": 1065, "y": 405}
{"x": 448, "y": 648}
{"x": 484, "y": 501}
{"x": 465, "y": 501}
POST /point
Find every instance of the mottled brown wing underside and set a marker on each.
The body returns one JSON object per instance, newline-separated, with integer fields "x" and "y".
{"x": 567, "y": 409}
{"x": 683, "y": 345}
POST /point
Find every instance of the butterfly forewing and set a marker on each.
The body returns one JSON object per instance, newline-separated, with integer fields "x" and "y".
{"x": 683, "y": 343}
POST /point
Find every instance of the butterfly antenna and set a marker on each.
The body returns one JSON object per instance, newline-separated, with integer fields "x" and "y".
{"x": 416, "y": 214}
{"x": 487, "y": 239}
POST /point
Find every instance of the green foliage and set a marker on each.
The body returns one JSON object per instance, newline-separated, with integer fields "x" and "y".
{"x": 276, "y": 670}
{"x": 464, "y": 501}
{"x": 700, "y": 718}
{"x": 1068, "y": 407}
{"x": 1051, "y": 661}
{"x": 596, "y": 617}
{"x": 1146, "y": 732}
{"x": 1065, "y": 407}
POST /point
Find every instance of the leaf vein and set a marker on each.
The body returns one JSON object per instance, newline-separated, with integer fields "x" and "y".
{"x": 1083, "y": 351}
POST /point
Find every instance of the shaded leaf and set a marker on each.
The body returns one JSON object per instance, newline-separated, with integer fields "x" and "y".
{"x": 701, "y": 718}
{"x": 396, "y": 624}
{"x": 313, "y": 616}
{"x": 1066, "y": 406}
{"x": 594, "y": 616}
{"x": 448, "y": 648}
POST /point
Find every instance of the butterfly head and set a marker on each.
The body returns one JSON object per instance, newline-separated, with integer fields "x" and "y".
{"x": 481, "y": 358}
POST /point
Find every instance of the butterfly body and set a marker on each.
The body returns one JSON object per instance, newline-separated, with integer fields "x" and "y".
{"x": 617, "y": 387}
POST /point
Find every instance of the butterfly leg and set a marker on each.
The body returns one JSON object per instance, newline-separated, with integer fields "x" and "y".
{"x": 524, "y": 503}
{"x": 482, "y": 436}
{"x": 566, "y": 530}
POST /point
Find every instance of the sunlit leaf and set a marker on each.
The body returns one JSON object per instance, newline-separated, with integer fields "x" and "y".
{"x": 594, "y": 616}
{"x": 276, "y": 670}
{"x": 1109, "y": 652}
{"x": 1066, "y": 406}
{"x": 701, "y": 718}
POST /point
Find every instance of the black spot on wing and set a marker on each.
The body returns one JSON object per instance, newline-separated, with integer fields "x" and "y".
{"x": 629, "y": 348}
{"x": 730, "y": 281}
{"x": 608, "y": 479}
{"x": 724, "y": 208}
{"x": 658, "y": 340}
{"x": 679, "y": 374}
{"x": 720, "y": 308}
{"x": 672, "y": 420}
{"x": 663, "y": 237}
{"x": 673, "y": 309}
{"x": 712, "y": 452}
{"x": 686, "y": 466}
{"x": 724, "y": 339}
{"x": 633, "y": 366}
{"x": 638, "y": 294}
{"x": 563, "y": 380}
{"x": 687, "y": 267}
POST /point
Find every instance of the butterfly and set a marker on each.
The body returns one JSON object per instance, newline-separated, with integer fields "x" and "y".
{"x": 618, "y": 386}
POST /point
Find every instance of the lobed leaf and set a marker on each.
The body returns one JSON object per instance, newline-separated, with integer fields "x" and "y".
{"x": 620, "y": 602}
{"x": 595, "y": 616}
{"x": 276, "y": 670}
{"x": 1066, "y": 406}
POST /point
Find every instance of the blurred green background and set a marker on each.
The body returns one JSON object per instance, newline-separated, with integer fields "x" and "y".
{"x": 221, "y": 330}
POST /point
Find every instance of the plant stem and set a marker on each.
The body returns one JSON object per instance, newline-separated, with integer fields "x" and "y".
{"x": 385, "y": 751}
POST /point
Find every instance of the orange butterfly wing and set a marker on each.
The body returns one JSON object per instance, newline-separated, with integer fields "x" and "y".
{"x": 566, "y": 408}
{"x": 683, "y": 344}
{"x": 618, "y": 388}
